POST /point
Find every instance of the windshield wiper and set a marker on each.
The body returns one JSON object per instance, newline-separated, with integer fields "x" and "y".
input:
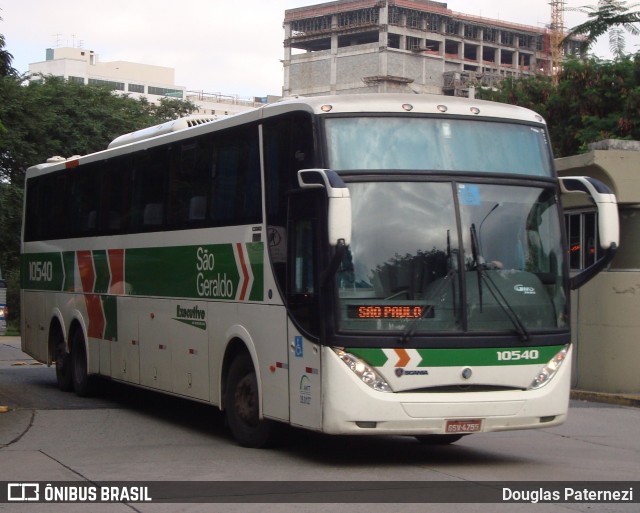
{"x": 411, "y": 329}
{"x": 480, "y": 267}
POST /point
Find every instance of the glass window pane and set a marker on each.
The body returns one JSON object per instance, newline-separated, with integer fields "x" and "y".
{"x": 431, "y": 144}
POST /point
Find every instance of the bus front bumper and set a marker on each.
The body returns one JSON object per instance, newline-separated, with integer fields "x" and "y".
{"x": 351, "y": 407}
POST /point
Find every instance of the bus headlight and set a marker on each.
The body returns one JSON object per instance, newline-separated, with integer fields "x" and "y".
{"x": 366, "y": 373}
{"x": 546, "y": 373}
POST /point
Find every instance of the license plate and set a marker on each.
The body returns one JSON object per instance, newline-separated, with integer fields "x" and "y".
{"x": 464, "y": 426}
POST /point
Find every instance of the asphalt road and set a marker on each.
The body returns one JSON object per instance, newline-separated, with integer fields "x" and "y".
{"x": 128, "y": 434}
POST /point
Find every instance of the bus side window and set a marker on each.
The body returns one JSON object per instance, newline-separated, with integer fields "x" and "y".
{"x": 83, "y": 202}
{"x": 189, "y": 183}
{"x": 149, "y": 188}
{"x": 116, "y": 195}
{"x": 236, "y": 192}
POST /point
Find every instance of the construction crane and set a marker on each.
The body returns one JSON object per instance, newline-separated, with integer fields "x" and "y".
{"x": 556, "y": 36}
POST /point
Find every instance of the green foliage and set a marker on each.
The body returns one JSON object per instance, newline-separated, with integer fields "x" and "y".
{"x": 171, "y": 108}
{"x": 610, "y": 16}
{"x": 10, "y": 225}
{"x": 5, "y": 61}
{"x": 593, "y": 100}
{"x": 51, "y": 116}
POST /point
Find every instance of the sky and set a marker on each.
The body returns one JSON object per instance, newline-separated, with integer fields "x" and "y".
{"x": 231, "y": 47}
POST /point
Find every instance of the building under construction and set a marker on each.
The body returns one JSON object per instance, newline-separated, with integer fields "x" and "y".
{"x": 385, "y": 46}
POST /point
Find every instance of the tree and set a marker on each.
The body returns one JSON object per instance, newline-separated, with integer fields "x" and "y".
{"x": 168, "y": 109}
{"x": 5, "y": 60}
{"x": 5, "y": 67}
{"x": 51, "y": 116}
{"x": 10, "y": 225}
{"x": 610, "y": 16}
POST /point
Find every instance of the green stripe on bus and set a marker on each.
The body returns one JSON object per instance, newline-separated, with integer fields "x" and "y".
{"x": 42, "y": 271}
{"x": 110, "y": 307}
{"x": 207, "y": 272}
{"x": 103, "y": 275}
{"x": 255, "y": 250}
{"x": 487, "y": 356}
{"x": 195, "y": 272}
{"x": 480, "y": 357}
{"x": 69, "y": 263}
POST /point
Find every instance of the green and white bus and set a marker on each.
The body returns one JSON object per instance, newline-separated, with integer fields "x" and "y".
{"x": 370, "y": 264}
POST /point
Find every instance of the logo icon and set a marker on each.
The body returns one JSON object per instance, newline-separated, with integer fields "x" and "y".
{"x": 402, "y": 372}
{"x": 305, "y": 390}
{"x": 524, "y": 289}
{"x": 23, "y": 492}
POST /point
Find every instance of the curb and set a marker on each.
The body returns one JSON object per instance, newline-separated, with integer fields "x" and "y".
{"x": 601, "y": 397}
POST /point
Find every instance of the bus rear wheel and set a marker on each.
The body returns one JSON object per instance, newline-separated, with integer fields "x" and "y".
{"x": 63, "y": 364}
{"x": 242, "y": 405}
{"x": 83, "y": 383}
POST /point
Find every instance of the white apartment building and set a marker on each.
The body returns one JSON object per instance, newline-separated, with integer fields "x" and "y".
{"x": 83, "y": 66}
{"x": 135, "y": 79}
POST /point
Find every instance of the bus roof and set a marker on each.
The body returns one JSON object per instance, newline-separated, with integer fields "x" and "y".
{"x": 416, "y": 103}
{"x": 321, "y": 105}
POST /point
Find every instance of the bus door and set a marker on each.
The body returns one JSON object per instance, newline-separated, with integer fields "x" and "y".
{"x": 304, "y": 308}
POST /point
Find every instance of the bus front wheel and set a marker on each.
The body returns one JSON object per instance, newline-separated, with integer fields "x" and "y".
{"x": 242, "y": 404}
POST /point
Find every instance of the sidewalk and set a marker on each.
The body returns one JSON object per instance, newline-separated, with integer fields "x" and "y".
{"x": 602, "y": 397}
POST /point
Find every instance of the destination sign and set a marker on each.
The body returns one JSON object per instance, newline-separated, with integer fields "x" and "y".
{"x": 389, "y": 312}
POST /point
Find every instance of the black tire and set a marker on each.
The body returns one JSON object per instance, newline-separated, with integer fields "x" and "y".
{"x": 242, "y": 405}
{"x": 63, "y": 362}
{"x": 438, "y": 439}
{"x": 83, "y": 384}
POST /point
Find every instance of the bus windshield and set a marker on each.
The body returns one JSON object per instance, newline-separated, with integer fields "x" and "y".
{"x": 433, "y": 144}
{"x": 409, "y": 262}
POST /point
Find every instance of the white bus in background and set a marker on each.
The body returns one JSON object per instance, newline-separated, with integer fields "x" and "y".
{"x": 371, "y": 264}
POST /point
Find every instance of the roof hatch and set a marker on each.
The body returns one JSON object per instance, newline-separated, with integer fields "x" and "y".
{"x": 163, "y": 128}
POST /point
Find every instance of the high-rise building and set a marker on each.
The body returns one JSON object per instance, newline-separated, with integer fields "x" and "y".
{"x": 421, "y": 46}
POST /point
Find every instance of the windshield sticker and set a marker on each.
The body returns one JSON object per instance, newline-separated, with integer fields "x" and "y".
{"x": 469, "y": 194}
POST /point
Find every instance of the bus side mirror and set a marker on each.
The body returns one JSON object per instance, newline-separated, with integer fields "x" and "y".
{"x": 608, "y": 221}
{"x": 339, "y": 221}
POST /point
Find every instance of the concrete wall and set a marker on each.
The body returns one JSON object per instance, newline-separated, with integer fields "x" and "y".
{"x": 606, "y": 320}
{"x": 312, "y": 75}
{"x": 425, "y": 72}
{"x": 605, "y": 313}
{"x": 352, "y": 67}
